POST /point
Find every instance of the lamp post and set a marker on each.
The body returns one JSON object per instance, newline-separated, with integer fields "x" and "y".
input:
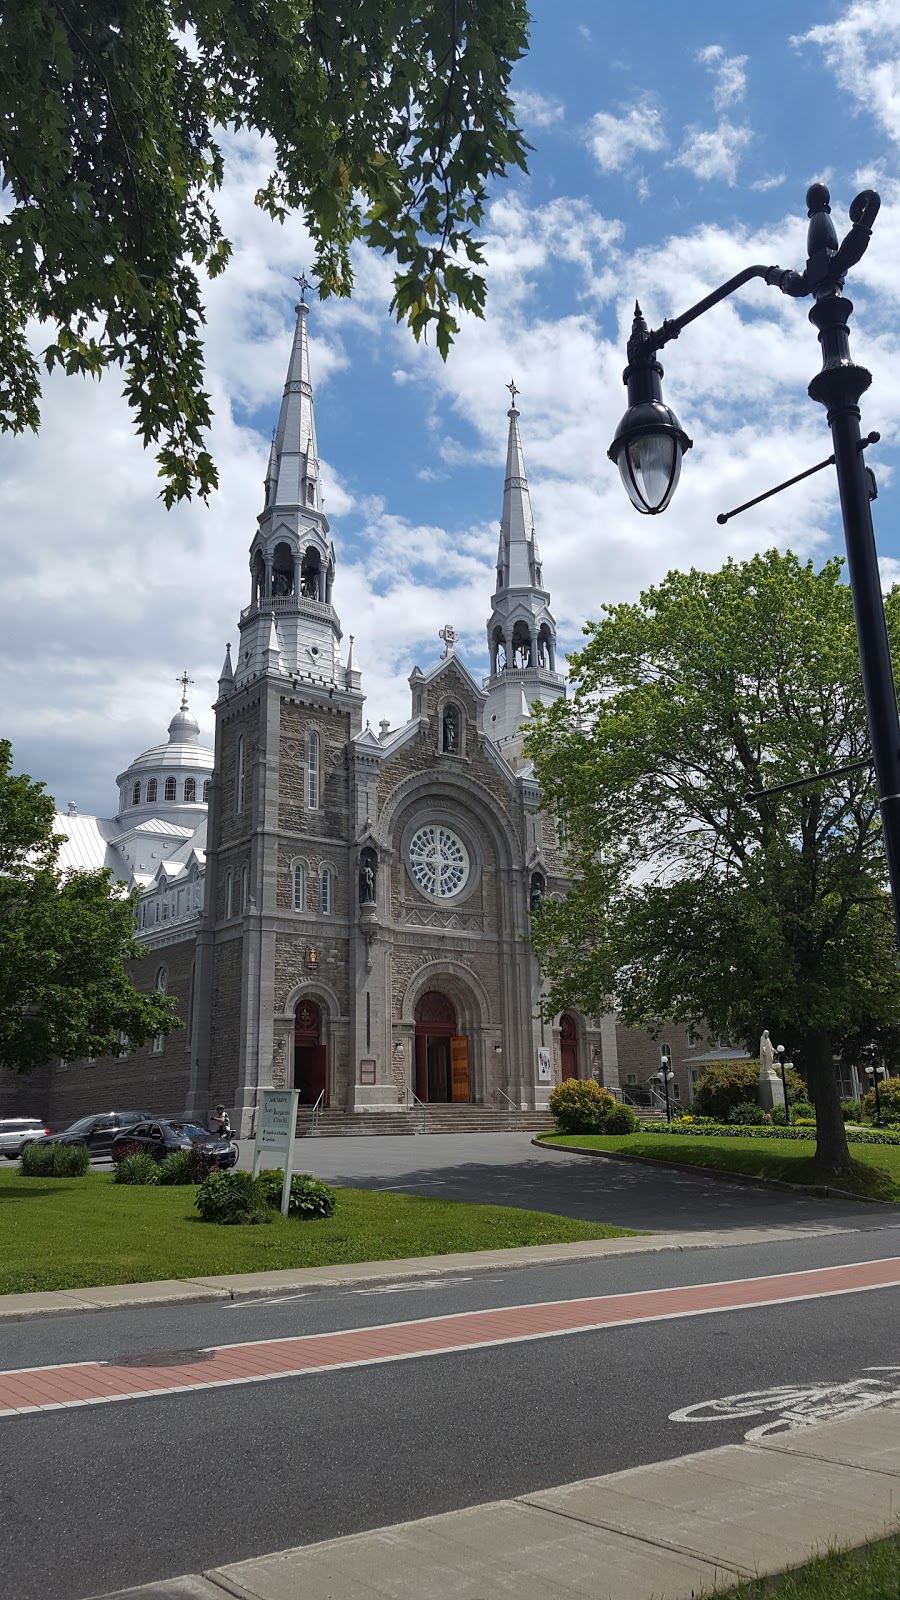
{"x": 650, "y": 442}
{"x": 665, "y": 1076}
{"x": 875, "y": 1073}
{"x": 783, "y": 1064}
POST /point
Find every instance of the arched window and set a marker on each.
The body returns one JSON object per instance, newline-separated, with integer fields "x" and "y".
{"x": 136, "y": 795}
{"x": 170, "y": 789}
{"x": 165, "y": 911}
{"x": 229, "y": 893}
{"x": 245, "y": 887}
{"x": 151, "y": 789}
{"x": 156, "y": 916}
{"x": 190, "y": 789}
{"x": 312, "y": 772}
{"x": 239, "y": 776}
{"x": 326, "y": 891}
{"x": 299, "y": 887}
{"x": 310, "y": 494}
{"x": 206, "y": 783}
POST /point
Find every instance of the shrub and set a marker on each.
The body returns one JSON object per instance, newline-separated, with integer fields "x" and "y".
{"x": 308, "y": 1198}
{"x": 55, "y": 1160}
{"x": 802, "y": 1109}
{"x": 621, "y": 1119}
{"x": 139, "y": 1167}
{"x": 749, "y": 1114}
{"x": 851, "y": 1110}
{"x": 580, "y": 1105}
{"x": 725, "y": 1085}
{"x": 204, "y": 1162}
{"x": 232, "y": 1197}
{"x": 889, "y": 1099}
{"x": 176, "y": 1167}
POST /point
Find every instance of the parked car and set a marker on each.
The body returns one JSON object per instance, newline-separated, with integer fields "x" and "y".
{"x": 17, "y": 1132}
{"x": 159, "y": 1139}
{"x": 99, "y": 1131}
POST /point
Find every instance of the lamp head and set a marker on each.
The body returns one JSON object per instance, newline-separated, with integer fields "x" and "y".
{"x": 649, "y": 441}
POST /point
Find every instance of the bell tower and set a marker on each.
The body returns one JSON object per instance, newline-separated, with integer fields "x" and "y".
{"x": 521, "y": 629}
{"x": 290, "y": 625}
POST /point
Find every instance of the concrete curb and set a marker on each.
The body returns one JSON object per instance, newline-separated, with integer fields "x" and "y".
{"x": 674, "y": 1529}
{"x": 236, "y": 1286}
{"x": 817, "y": 1191}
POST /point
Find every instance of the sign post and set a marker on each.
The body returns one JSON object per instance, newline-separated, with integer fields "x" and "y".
{"x": 276, "y": 1128}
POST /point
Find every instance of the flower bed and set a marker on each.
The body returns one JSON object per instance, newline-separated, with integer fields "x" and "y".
{"x": 721, "y": 1130}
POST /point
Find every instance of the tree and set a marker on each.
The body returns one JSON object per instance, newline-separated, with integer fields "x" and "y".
{"x": 386, "y": 119}
{"x": 63, "y": 941}
{"x": 688, "y": 900}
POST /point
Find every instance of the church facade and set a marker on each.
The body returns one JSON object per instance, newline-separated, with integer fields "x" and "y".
{"x": 354, "y": 916}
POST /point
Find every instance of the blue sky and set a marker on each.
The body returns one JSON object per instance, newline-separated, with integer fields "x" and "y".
{"x": 672, "y": 147}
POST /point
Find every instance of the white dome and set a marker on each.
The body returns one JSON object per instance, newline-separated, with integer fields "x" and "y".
{"x": 180, "y": 766}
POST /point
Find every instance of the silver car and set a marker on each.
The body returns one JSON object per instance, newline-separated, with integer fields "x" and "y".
{"x": 16, "y": 1132}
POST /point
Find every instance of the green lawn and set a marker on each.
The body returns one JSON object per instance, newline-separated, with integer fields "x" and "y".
{"x": 875, "y": 1173}
{"x": 872, "y": 1573}
{"x": 66, "y": 1233}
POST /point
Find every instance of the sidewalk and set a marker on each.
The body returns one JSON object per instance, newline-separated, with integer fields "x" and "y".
{"x": 234, "y": 1286}
{"x": 669, "y": 1531}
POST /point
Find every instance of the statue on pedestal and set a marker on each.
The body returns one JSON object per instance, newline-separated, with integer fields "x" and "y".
{"x": 770, "y": 1092}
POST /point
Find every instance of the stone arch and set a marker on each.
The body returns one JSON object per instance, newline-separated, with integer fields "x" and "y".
{"x": 480, "y": 805}
{"x": 451, "y": 726}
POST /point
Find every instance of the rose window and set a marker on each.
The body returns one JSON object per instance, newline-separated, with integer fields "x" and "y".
{"x": 438, "y": 861}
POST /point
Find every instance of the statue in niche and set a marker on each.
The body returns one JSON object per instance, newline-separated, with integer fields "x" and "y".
{"x": 367, "y": 884}
{"x": 451, "y": 731}
{"x": 537, "y": 893}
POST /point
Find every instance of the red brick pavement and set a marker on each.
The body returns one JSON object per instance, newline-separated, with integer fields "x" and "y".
{"x": 99, "y": 1383}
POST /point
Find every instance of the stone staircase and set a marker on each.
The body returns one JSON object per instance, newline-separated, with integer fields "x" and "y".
{"x": 332, "y": 1123}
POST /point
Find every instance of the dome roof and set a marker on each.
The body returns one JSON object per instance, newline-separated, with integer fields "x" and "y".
{"x": 182, "y": 752}
{"x": 184, "y": 727}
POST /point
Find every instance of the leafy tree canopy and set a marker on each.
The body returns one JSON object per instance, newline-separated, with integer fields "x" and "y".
{"x": 386, "y": 120}
{"x": 63, "y": 940}
{"x": 690, "y": 902}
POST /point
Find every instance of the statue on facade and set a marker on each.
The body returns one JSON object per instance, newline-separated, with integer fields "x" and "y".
{"x": 281, "y": 583}
{"x": 537, "y": 894}
{"x": 367, "y": 885}
{"x": 450, "y": 735}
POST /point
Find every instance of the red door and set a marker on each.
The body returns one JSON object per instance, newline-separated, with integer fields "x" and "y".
{"x": 435, "y": 1031}
{"x": 310, "y": 1055}
{"x": 568, "y": 1047}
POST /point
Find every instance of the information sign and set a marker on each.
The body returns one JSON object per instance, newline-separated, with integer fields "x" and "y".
{"x": 276, "y": 1127}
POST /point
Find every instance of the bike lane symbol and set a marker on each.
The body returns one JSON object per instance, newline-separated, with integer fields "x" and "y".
{"x": 792, "y": 1406}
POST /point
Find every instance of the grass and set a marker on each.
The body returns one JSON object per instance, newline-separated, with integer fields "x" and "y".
{"x": 68, "y": 1233}
{"x": 871, "y": 1573}
{"x": 875, "y": 1172}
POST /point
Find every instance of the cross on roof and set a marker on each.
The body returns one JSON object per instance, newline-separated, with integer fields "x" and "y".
{"x": 184, "y": 680}
{"x": 511, "y": 386}
{"x": 304, "y": 284}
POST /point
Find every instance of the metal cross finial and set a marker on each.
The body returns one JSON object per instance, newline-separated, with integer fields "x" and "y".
{"x": 304, "y": 285}
{"x": 184, "y": 680}
{"x": 511, "y": 386}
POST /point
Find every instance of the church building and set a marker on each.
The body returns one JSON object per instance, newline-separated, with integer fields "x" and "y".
{"x": 354, "y": 917}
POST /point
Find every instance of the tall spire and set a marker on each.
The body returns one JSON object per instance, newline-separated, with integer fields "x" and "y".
{"x": 516, "y": 557}
{"x": 293, "y": 476}
{"x": 521, "y": 629}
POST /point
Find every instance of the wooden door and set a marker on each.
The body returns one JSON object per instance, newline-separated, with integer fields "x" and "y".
{"x": 568, "y": 1047}
{"x": 459, "y": 1068}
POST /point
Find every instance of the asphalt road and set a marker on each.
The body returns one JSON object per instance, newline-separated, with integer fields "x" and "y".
{"x": 507, "y": 1169}
{"x": 97, "y": 1498}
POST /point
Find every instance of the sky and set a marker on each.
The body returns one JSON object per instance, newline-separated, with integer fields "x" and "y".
{"x": 672, "y": 147}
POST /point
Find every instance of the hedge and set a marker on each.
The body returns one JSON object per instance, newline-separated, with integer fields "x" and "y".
{"x": 720, "y": 1131}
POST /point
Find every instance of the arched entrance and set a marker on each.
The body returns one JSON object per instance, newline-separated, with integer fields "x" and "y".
{"x": 442, "y": 1055}
{"x": 310, "y": 1054}
{"x": 568, "y": 1046}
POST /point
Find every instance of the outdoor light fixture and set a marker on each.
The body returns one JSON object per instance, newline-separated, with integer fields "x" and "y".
{"x": 875, "y": 1073}
{"x": 650, "y": 442}
{"x": 783, "y": 1064}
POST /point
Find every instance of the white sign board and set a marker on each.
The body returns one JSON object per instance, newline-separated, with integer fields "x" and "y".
{"x": 276, "y": 1126}
{"x": 545, "y": 1070}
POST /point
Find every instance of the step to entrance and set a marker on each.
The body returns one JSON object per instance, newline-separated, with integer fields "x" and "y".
{"x": 422, "y": 1119}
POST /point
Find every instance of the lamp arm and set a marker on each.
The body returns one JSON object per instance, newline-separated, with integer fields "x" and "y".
{"x": 789, "y": 282}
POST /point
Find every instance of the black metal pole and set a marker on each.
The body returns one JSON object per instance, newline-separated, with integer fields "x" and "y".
{"x": 877, "y": 1099}
{"x": 787, "y": 1103}
{"x": 666, "y": 1082}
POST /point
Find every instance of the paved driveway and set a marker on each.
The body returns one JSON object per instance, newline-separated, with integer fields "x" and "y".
{"x": 507, "y": 1169}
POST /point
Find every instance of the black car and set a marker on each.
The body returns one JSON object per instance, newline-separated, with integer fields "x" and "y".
{"x": 98, "y": 1131}
{"x": 159, "y": 1139}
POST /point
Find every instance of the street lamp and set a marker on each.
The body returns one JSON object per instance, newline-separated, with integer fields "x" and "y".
{"x": 665, "y": 1076}
{"x": 780, "y": 1052}
{"x": 875, "y": 1073}
{"x": 650, "y": 442}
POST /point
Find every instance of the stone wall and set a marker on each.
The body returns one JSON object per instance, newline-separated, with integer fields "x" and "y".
{"x": 226, "y": 1021}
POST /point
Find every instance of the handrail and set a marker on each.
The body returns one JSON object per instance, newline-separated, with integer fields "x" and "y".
{"x": 512, "y": 1120}
{"x": 316, "y": 1108}
{"x": 411, "y": 1097}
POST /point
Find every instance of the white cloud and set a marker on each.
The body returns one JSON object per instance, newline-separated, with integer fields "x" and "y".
{"x": 890, "y": 572}
{"x": 615, "y": 141}
{"x": 863, "y": 50}
{"x": 762, "y": 185}
{"x": 728, "y": 73}
{"x": 713, "y": 153}
{"x": 538, "y": 110}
